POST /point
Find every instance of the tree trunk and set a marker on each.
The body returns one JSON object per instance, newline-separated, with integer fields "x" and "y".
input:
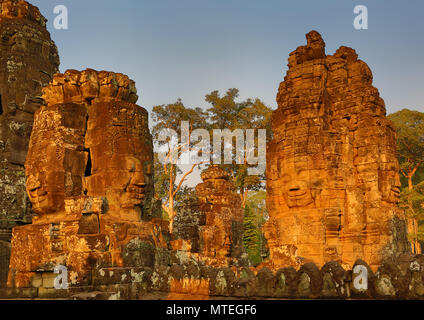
{"x": 171, "y": 214}
{"x": 244, "y": 198}
{"x": 413, "y": 230}
{"x": 412, "y": 222}
{"x": 170, "y": 210}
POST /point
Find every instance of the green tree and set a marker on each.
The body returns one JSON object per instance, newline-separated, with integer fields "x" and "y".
{"x": 412, "y": 201}
{"x": 255, "y": 213}
{"x": 409, "y": 126}
{"x": 227, "y": 113}
{"x": 169, "y": 177}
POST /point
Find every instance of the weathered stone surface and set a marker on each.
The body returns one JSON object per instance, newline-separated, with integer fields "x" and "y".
{"x": 4, "y": 261}
{"x": 286, "y": 282}
{"x": 56, "y": 159}
{"x": 120, "y": 149}
{"x": 332, "y": 170}
{"x": 334, "y": 281}
{"x": 187, "y": 222}
{"x": 245, "y": 284}
{"x": 28, "y": 59}
{"x": 310, "y": 281}
{"x": 221, "y": 237}
{"x": 191, "y": 282}
{"x": 90, "y": 181}
{"x": 266, "y": 283}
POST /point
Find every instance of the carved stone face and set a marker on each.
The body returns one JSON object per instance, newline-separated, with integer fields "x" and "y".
{"x": 134, "y": 183}
{"x": 121, "y": 157}
{"x": 380, "y": 181}
{"x": 389, "y": 182}
{"x": 296, "y": 188}
{"x": 44, "y": 193}
{"x": 55, "y": 161}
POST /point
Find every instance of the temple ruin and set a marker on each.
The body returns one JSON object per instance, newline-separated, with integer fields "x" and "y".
{"x": 332, "y": 168}
{"x": 28, "y": 60}
{"x": 222, "y": 235}
{"x": 332, "y": 184}
{"x": 90, "y": 181}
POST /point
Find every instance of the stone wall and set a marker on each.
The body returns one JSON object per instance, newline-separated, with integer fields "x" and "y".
{"x": 187, "y": 280}
{"x": 28, "y": 60}
{"x": 187, "y": 223}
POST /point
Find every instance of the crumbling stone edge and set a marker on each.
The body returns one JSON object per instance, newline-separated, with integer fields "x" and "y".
{"x": 401, "y": 279}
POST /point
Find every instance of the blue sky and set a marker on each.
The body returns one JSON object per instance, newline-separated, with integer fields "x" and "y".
{"x": 188, "y": 48}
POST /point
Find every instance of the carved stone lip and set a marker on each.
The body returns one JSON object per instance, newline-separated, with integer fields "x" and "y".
{"x": 297, "y": 196}
{"x": 139, "y": 196}
{"x": 395, "y": 190}
{"x": 40, "y": 199}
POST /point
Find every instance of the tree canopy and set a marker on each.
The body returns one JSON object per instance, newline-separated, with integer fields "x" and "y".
{"x": 228, "y": 113}
{"x": 409, "y": 126}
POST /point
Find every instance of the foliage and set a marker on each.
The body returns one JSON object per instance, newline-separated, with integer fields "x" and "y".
{"x": 412, "y": 201}
{"x": 409, "y": 126}
{"x": 186, "y": 198}
{"x": 254, "y": 218}
{"x": 226, "y": 113}
{"x": 170, "y": 116}
{"x": 169, "y": 177}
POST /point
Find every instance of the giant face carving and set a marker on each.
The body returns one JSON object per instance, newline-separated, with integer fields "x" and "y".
{"x": 45, "y": 190}
{"x": 129, "y": 181}
{"x": 378, "y": 173}
{"x": 138, "y": 179}
{"x": 389, "y": 182}
{"x": 296, "y": 189}
{"x": 119, "y": 144}
{"x": 299, "y": 186}
{"x": 55, "y": 160}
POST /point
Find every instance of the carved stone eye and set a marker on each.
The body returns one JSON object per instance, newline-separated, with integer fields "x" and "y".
{"x": 131, "y": 166}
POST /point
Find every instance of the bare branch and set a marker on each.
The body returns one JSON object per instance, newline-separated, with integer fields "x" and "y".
{"x": 185, "y": 176}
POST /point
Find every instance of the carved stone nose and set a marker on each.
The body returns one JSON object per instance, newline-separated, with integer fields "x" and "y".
{"x": 138, "y": 180}
{"x": 33, "y": 184}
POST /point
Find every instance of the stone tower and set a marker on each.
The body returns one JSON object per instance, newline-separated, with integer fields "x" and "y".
{"x": 28, "y": 60}
{"x": 221, "y": 237}
{"x": 90, "y": 181}
{"x": 332, "y": 170}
